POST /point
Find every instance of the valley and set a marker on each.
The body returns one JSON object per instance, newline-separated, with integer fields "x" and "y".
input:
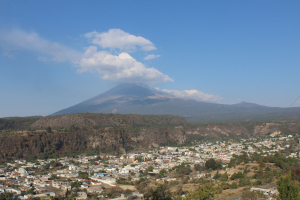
{"x": 116, "y": 134}
{"x": 132, "y": 156}
{"x": 224, "y": 167}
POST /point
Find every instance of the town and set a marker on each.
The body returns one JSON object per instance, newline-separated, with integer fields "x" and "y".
{"x": 232, "y": 165}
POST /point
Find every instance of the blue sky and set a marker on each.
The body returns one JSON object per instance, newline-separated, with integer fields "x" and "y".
{"x": 54, "y": 55}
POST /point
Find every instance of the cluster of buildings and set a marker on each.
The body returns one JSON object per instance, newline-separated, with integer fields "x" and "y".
{"x": 20, "y": 177}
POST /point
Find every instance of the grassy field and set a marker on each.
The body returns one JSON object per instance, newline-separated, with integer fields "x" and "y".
{"x": 129, "y": 187}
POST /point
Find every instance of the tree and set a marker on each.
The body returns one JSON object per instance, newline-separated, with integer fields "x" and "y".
{"x": 83, "y": 175}
{"x": 53, "y": 177}
{"x": 128, "y": 148}
{"x": 261, "y": 164}
{"x": 287, "y": 188}
{"x": 162, "y": 172}
{"x": 232, "y": 163}
{"x": 203, "y": 192}
{"x": 160, "y": 193}
{"x": 211, "y": 163}
{"x": 4, "y": 196}
{"x": 234, "y": 186}
{"x": 48, "y": 129}
{"x": 237, "y": 175}
{"x": 184, "y": 171}
{"x": 217, "y": 175}
{"x": 150, "y": 169}
{"x": 127, "y": 192}
{"x": 197, "y": 167}
{"x": 31, "y": 191}
{"x": 224, "y": 177}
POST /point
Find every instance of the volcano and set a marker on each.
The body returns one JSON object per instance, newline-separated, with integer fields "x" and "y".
{"x": 131, "y": 98}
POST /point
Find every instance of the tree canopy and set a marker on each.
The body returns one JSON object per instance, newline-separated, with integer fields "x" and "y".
{"x": 288, "y": 189}
{"x": 212, "y": 164}
{"x": 203, "y": 192}
{"x": 160, "y": 193}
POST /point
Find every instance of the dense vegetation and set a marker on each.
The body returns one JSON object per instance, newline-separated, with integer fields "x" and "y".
{"x": 288, "y": 189}
{"x": 98, "y": 120}
{"x": 14, "y": 123}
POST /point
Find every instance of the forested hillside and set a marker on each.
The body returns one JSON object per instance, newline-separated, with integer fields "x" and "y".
{"x": 108, "y": 120}
{"x": 17, "y": 122}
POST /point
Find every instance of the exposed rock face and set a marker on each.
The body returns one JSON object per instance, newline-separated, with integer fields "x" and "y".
{"x": 163, "y": 137}
{"x": 117, "y": 139}
{"x": 266, "y": 129}
{"x": 219, "y": 130}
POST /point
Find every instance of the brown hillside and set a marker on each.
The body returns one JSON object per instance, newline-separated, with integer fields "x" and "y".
{"x": 232, "y": 130}
{"x": 105, "y": 140}
{"x": 107, "y": 120}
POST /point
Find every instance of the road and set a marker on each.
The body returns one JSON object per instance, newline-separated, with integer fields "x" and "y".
{"x": 239, "y": 196}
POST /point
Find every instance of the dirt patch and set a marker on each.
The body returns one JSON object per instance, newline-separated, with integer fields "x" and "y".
{"x": 189, "y": 187}
{"x": 129, "y": 187}
{"x": 231, "y": 193}
{"x": 56, "y": 190}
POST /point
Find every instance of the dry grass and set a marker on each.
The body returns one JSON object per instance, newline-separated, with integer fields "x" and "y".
{"x": 189, "y": 187}
{"x": 250, "y": 165}
{"x": 239, "y": 168}
{"x": 231, "y": 193}
{"x": 56, "y": 190}
{"x": 129, "y": 187}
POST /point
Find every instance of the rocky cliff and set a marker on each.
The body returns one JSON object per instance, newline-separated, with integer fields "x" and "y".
{"x": 233, "y": 130}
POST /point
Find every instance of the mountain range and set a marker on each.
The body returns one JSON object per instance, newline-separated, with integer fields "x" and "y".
{"x": 131, "y": 98}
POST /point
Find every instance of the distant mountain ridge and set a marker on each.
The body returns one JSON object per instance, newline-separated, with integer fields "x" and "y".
{"x": 131, "y": 98}
{"x": 247, "y": 105}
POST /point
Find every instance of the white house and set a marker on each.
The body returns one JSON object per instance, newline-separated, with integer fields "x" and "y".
{"x": 72, "y": 167}
{"x": 124, "y": 171}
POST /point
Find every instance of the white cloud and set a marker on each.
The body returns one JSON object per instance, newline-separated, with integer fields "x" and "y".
{"x": 120, "y": 67}
{"x": 21, "y": 40}
{"x": 9, "y": 55}
{"x": 192, "y": 94}
{"x": 151, "y": 56}
{"x": 119, "y": 39}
